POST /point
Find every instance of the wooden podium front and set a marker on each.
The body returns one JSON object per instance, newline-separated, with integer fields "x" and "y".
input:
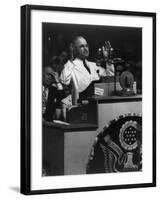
{"x": 66, "y": 149}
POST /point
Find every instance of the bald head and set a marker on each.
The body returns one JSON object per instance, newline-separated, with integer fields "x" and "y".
{"x": 81, "y": 49}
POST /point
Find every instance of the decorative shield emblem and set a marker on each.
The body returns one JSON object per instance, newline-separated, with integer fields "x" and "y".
{"x": 118, "y": 147}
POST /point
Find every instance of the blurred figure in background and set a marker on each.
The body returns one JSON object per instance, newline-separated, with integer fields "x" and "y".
{"x": 52, "y": 93}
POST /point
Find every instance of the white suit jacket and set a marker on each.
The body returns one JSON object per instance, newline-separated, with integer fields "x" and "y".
{"x": 76, "y": 72}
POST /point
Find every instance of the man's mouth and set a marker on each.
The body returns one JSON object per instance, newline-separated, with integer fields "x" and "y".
{"x": 86, "y": 52}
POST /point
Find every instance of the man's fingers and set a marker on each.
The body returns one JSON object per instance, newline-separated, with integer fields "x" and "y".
{"x": 54, "y": 74}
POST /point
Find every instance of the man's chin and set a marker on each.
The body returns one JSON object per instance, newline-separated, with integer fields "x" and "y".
{"x": 84, "y": 57}
{"x": 48, "y": 83}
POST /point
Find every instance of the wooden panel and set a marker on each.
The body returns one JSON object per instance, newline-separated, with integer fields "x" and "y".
{"x": 77, "y": 145}
{"x": 53, "y": 151}
{"x": 109, "y": 111}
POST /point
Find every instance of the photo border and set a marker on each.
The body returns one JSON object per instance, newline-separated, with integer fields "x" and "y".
{"x": 26, "y": 98}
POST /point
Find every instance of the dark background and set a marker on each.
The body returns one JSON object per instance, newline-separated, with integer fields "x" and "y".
{"x": 127, "y": 41}
{"x": 57, "y": 37}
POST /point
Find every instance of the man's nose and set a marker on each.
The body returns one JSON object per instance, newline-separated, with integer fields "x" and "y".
{"x": 50, "y": 77}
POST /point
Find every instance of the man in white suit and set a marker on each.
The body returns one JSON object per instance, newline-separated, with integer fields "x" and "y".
{"x": 79, "y": 71}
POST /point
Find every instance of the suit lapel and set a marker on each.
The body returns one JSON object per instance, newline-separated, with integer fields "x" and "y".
{"x": 80, "y": 68}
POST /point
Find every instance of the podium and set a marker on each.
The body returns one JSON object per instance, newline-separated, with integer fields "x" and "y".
{"x": 66, "y": 148}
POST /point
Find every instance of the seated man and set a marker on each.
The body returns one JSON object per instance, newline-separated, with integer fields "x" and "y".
{"x": 79, "y": 71}
{"x": 52, "y": 93}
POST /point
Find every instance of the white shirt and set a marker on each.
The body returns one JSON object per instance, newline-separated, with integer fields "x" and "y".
{"x": 44, "y": 99}
{"x": 45, "y": 90}
{"x": 76, "y": 72}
